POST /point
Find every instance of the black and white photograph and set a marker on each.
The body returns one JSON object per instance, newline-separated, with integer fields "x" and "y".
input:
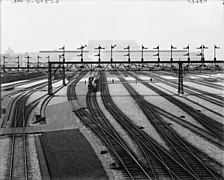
{"x": 112, "y": 89}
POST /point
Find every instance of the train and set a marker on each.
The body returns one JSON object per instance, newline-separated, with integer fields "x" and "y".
{"x": 93, "y": 83}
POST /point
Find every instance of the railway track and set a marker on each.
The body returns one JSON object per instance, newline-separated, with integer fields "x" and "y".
{"x": 7, "y": 119}
{"x": 125, "y": 161}
{"x": 18, "y": 167}
{"x": 209, "y": 84}
{"x": 22, "y": 90}
{"x": 191, "y": 157}
{"x": 131, "y": 168}
{"x": 210, "y": 97}
{"x": 192, "y": 101}
{"x": 71, "y": 89}
{"x": 162, "y": 164}
{"x": 197, "y": 130}
{"x": 109, "y": 137}
{"x": 16, "y": 84}
{"x": 214, "y": 127}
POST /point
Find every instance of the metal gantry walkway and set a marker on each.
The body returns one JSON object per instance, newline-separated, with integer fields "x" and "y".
{"x": 179, "y": 67}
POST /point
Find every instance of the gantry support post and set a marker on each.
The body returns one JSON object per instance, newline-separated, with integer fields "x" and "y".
{"x": 18, "y": 66}
{"x": 63, "y": 66}
{"x": 0, "y": 89}
{"x": 28, "y": 63}
{"x": 180, "y": 79}
{"x": 49, "y": 79}
{"x": 4, "y": 57}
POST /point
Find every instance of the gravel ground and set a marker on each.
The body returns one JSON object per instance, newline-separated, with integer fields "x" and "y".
{"x": 35, "y": 96}
{"x": 81, "y": 90}
{"x": 161, "y": 102}
{"x": 18, "y": 161}
{"x": 220, "y": 83}
{"x": 95, "y": 142}
{"x": 110, "y": 79}
{"x": 30, "y": 84}
{"x": 106, "y": 159}
{"x": 168, "y": 77}
{"x": 129, "y": 107}
{"x": 4, "y": 149}
{"x": 186, "y": 97}
{"x": 11, "y": 83}
{"x": 33, "y": 162}
{"x": 59, "y": 83}
{"x": 197, "y": 141}
{"x": 59, "y": 97}
{"x": 195, "y": 76}
{"x": 205, "y": 88}
{"x": 5, "y": 104}
{"x": 123, "y": 134}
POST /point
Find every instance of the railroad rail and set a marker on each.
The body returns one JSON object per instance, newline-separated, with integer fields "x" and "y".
{"x": 18, "y": 167}
{"x": 197, "y": 130}
{"x": 71, "y": 88}
{"x": 109, "y": 138}
{"x": 20, "y": 92}
{"x": 18, "y": 116}
{"x": 196, "y": 80}
{"x": 194, "y": 159}
{"x": 214, "y": 127}
{"x": 119, "y": 148}
{"x": 163, "y": 164}
{"x": 16, "y": 84}
{"x": 210, "y": 97}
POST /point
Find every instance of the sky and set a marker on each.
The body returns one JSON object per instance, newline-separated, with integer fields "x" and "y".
{"x": 30, "y": 27}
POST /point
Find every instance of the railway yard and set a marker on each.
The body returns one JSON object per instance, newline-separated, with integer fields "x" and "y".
{"x": 134, "y": 125}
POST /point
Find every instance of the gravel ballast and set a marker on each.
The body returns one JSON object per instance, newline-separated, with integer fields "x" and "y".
{"x": 123, "y": 134}
{"x": 194, "y": 139}
{"x": 4, "y": 150}
{"x": 34, "y": 169}
{"x": 129, "y": 107}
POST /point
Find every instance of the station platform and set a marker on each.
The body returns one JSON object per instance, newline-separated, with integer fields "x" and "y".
{"x": 34, "y": 129}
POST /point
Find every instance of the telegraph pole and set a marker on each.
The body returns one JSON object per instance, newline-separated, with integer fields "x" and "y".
{"x": 215, "y": 47}
{"x": 28, "y": 62}
{"x": 172, "y": 47}
{"x": 188, "y": 52}
{"x": 180, "y": 79}
{"x": 4, "y": 57}
{"x": 142, "y": 59}
{"x": 111, "y": 49}
{"x": 38, "y": 62}
{"x": 157, "y": 54}
{"x": 99, "y": 48}
{"x": 129, "y": 53}
{"x": 48, "y": 58}
{"x": 202, "y": 54}
{"x": 1, "y": 88}
{"x": 49, "y": 79}
{"x": 63, "y": 67}
{"x": 18, "y": 66}
{"x": 81, "y": 55}
{"x": 203, "y": 47}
